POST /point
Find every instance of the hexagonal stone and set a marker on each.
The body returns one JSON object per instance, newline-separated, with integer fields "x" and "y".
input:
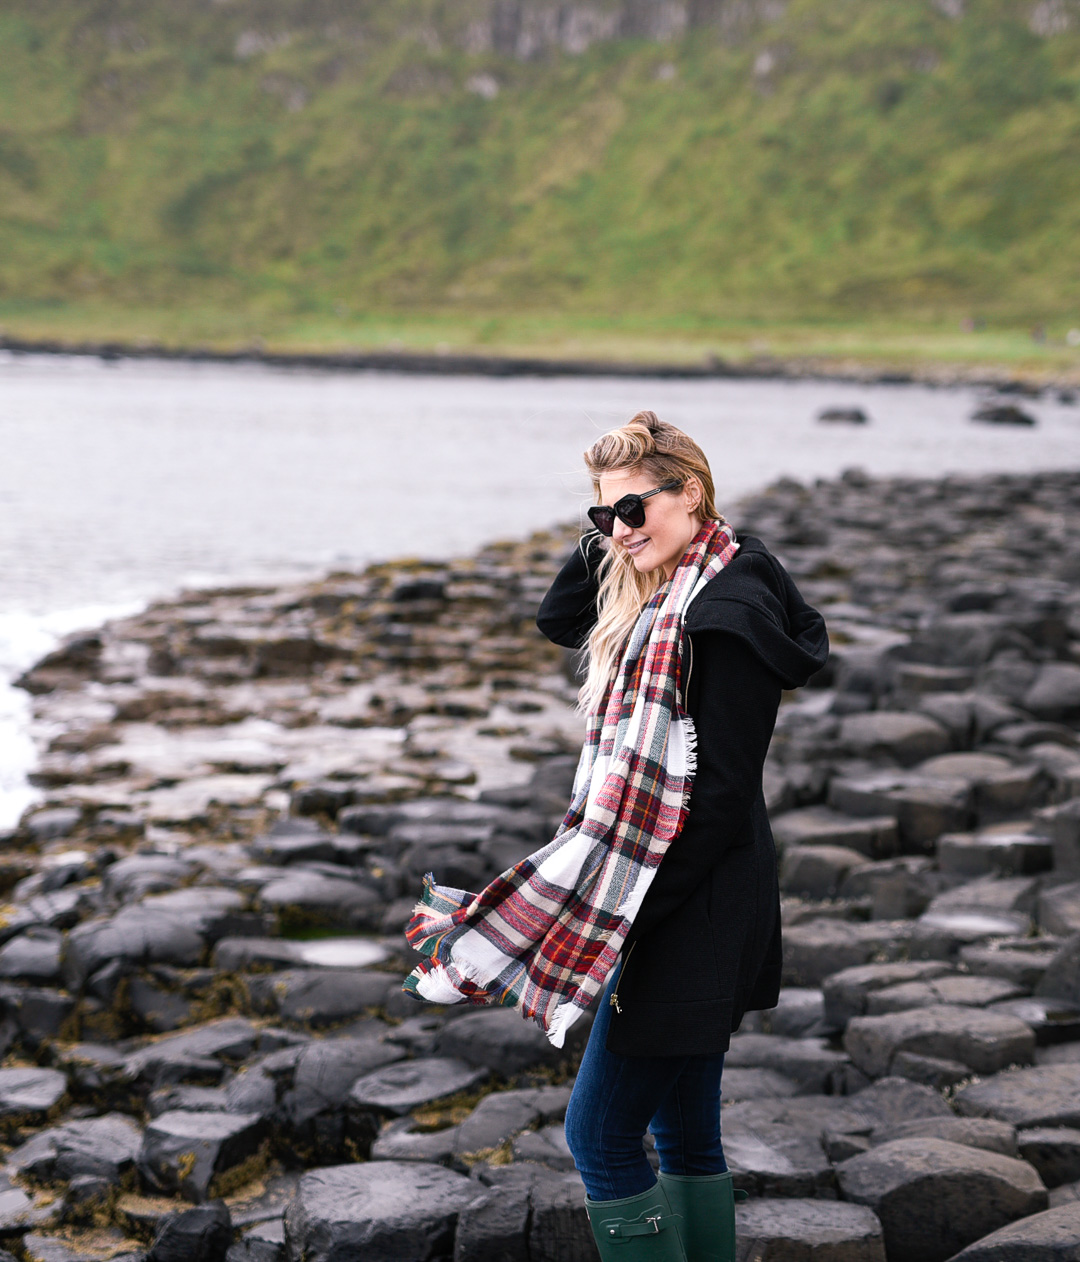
{"x": 1023, "y": 961}
{"x": 753, "y": 1084}
{"x": 313, "y": 1110}
{"x": 775, "y": 1159}
{"x": 942, "y": 935}
{"x": 27, "y": 1095}
{"x": 201, "y": 1234}
{"x": 973, "y": 992}
{"x": 817, "y": 871}
{"x": 1048, "y": 1095}
{"x": 1007, "y": 854}
{"x": 230, "y": 1039}
{"x": 847, "y": 992}
{"x": 135, "y": 935}
{"x": 1051, "y": 1236}
{"x": 1061, "y": 979}
{"x": 501, "y": 1040}
{"x": 1055, "y": 694}
{"x": 984, "y": 1041}
{"x": 186, "y": 1152}
{"x": 319, "y": 996}
{"x": 398, "y": 1088}
{"x": 382, "y": 1211}
{"x": 1054, "y": 1151}
{"x": 1059, "y": 909}
{"x": 1002, "y": 789}
{"x": 302, "y": 898}
{"x": 908, "y": 738}
{"x": 976, "y": 1132}
{"x": 934, "y": 1197}
{"x": 808, "y": 1062}
{"x": 873, "y": 836}
{"x": 816, "y": 949}
{"x": 105, "y": 1146}
{"x": 923, "y": 809}
{"x": 792, "y": 1229}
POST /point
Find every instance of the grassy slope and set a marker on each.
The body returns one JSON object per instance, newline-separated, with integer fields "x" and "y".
{"x": 894, "y": 170}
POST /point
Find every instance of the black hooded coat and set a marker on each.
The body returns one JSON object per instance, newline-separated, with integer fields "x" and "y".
{"x": 705, "y": 945}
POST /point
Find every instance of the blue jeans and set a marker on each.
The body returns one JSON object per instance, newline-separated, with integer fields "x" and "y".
{"x": 617, "y": 1098}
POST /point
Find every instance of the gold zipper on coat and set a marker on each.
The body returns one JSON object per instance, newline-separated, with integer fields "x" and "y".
{"x": 614, "y": 1000}
{"x": 690, "y": 671}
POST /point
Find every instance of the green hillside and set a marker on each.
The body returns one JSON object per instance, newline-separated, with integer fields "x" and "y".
{"x": 523, "y": 172}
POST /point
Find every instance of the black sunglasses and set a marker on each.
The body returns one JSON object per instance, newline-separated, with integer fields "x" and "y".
{"x": 630, "y": 509}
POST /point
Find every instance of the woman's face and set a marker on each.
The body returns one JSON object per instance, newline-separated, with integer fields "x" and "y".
{"x": 671, "y": 520}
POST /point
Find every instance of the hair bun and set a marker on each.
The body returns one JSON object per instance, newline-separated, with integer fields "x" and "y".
{"x": 650, "y": 420}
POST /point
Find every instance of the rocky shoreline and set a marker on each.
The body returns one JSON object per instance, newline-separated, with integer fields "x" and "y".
{"x": 475, "y": 364}
{"x": 207, "y": 1052}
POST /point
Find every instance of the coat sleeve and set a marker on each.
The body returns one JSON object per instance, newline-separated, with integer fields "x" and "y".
{"x": 568, "y": 612}
{"x": 733, "y": 700}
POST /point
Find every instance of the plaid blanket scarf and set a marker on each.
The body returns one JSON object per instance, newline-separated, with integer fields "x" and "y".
{"x": 544, "y": 935}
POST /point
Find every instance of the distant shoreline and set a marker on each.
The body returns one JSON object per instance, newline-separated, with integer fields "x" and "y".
{"x": 471, "y": 364}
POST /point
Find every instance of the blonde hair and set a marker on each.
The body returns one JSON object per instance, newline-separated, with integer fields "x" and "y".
{"x": 668, "y": 455}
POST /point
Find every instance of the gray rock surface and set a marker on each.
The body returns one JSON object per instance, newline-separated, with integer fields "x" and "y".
{"x": 1054, "y": 1151}
{"x": 934, "y": 1197}
{"x": 1048, "y": 1095}
{"x": 384, "y": 1211}
{"x": 792, "y": 1229}
{"x": 984, "y": 1041}
{"x": 185, "y": 1151}
{"x": 1052, "y": 1236}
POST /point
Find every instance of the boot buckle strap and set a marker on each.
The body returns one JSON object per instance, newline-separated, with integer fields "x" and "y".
{"x": 649, "y": 1227}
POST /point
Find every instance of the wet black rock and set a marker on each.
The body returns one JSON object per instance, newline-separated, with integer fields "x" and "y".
{"x": 135, "y": 935}
{"x": 32, "y": 957}
{"x": 202, "y": 1234}
{"x": 28, "y": 1095}
{"x": 383, "y": 1211}
{"x": 185, "y": 1152}
{"x": 319, "y": 996}
{"x": 312, "y": 1107}
{"x": 500, "y": 1040}
{"x": 102, "y": 1146}
{"x": 399, "y": 1088}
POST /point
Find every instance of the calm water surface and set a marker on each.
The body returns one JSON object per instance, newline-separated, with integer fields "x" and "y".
{"x": 121, "y": 482}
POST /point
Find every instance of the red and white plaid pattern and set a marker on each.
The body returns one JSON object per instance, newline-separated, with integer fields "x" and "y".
{"x": 544, "y": 935}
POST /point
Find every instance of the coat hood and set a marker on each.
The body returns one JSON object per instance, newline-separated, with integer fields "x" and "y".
{"x": 754, "y": 598}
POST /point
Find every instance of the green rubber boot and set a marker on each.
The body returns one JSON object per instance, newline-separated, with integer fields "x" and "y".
{"x": 705, "y": 1207}
{"x": 638, "y": 1228}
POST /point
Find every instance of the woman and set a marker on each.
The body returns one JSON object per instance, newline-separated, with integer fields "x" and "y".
{"x": 704, "y": 945}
